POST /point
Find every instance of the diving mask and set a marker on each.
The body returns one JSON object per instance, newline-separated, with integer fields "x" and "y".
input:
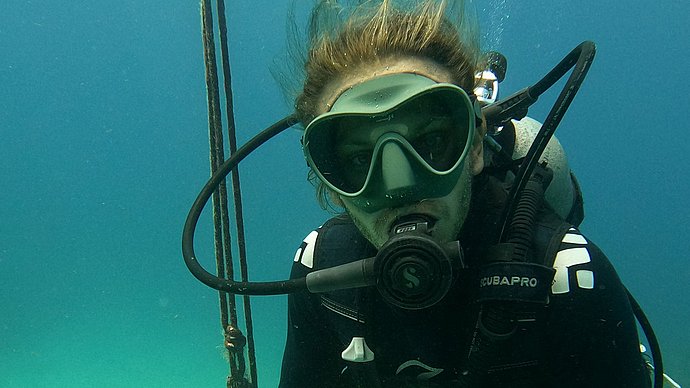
{"x": 393, "y": 140}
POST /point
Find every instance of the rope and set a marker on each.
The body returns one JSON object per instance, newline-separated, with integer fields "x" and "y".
{"x": 237, "y": 194}
{"x": 234, "y": 340}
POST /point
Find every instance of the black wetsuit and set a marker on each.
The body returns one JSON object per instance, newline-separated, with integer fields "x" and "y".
{"x": 585, "y": 336}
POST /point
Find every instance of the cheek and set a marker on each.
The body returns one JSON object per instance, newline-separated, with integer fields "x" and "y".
{"x": 458, "y": 202}
{"x": 368, "y": 224}
{"x": 358, "y": 215}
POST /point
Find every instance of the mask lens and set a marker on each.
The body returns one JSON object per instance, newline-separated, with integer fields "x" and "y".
{"x": 345, "y": 169}
{"x": 436, "y": 126}
{"x": 440, "y": 137}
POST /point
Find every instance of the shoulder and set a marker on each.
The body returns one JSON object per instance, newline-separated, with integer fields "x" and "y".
{"x": 336, "y": 242}
{"x": 573, "y": 263}
{"x": 590, "y": 317}
{"x": 582, "y": 267}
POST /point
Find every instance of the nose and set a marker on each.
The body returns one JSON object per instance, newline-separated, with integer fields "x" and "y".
{"x": 395, "y": 168}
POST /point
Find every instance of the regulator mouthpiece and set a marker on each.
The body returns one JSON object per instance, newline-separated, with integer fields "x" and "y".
{"x": 414, "y": 271}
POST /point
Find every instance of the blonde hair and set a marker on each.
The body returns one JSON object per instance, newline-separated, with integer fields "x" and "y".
{"x": 341, "y": 37}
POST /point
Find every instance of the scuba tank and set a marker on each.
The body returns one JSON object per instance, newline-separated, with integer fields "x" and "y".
{"x": 511, "y": 142}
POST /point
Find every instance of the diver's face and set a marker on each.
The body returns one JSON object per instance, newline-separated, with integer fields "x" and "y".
{"x": 448, "y": 212}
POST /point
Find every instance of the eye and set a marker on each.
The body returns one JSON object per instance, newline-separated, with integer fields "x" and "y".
{"x": 433, "y": 143}
{"x": 359, "y": 160}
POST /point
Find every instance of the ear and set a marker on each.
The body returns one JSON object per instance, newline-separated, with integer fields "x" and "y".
{"x": 477, "y": 158}
{"x": 477, "y": 152}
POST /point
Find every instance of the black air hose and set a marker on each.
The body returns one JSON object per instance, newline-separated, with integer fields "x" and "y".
{"x": 521, "y": 230}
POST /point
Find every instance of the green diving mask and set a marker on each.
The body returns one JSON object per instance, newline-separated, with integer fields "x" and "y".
{"x": 393, "y": 140}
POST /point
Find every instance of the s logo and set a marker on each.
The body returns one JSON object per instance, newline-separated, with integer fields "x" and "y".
{"x": 409, "y": 275}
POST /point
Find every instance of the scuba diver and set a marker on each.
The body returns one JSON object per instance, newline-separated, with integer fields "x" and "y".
{"x": 395, "y": 134}
{"x": 457, "y": 261}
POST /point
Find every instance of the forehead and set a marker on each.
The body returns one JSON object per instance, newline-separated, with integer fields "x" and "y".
{"x": 364, "y": 72}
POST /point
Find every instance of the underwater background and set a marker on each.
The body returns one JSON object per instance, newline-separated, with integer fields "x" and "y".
{"x": 105, "y": 146}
